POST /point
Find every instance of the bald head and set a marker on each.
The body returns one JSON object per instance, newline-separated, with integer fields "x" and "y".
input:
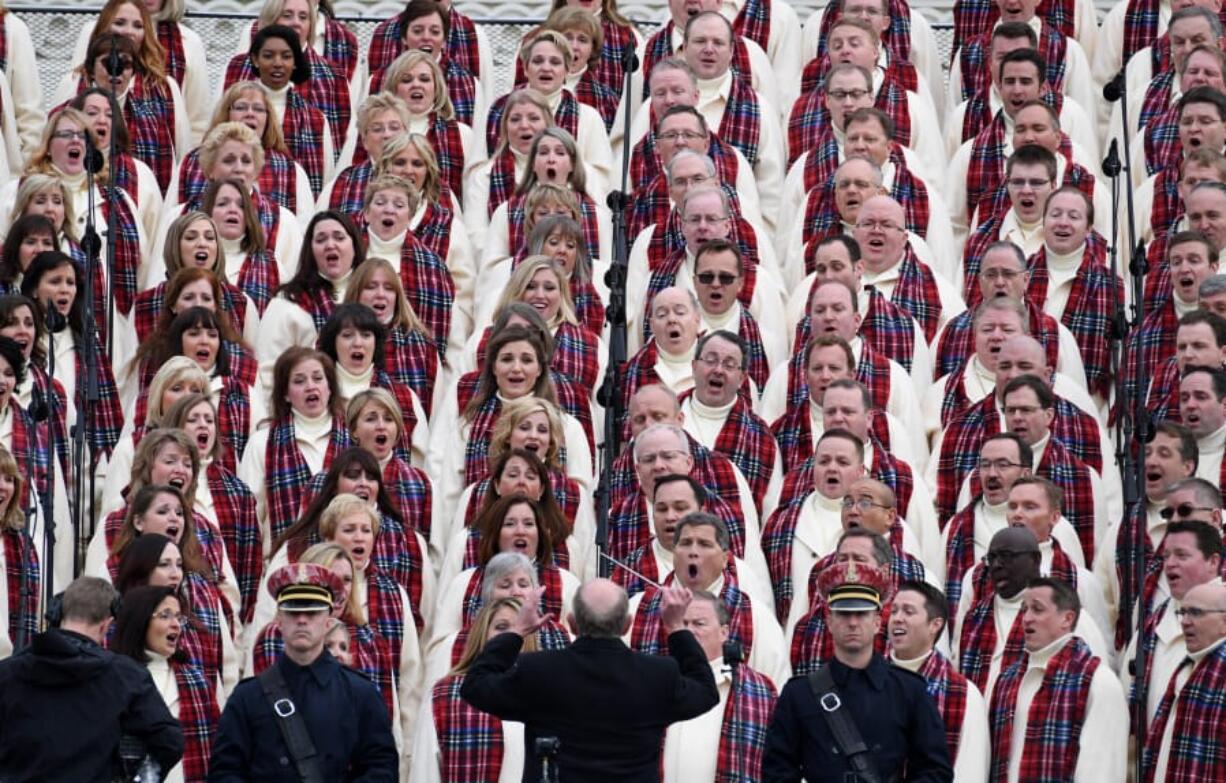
{"x": 1210, "y": 599}
{"x": 1013, "y": 560}
{"x": 602, "y": 610}
{"x": 1020, "y": 355}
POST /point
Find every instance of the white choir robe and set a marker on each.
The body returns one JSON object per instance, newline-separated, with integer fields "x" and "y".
{"x": 767, "y": 654}
{"x": 23, "y": 83}
{"x": 1004, "y": 612}
{"x": 925, "y": 52}
{"x": 1114, "y": 131}
{"x": 1104, "y": 563}
{"x": 461, "y": 262}
{"x": 286, "y": 325}
{"x": 407, "y": 696}
{"x": 766, "y": 305}
{"x": 902, "y": 403}
{"x": 706, "y": 431}
{"x": 1209, "y": 466}
{"x": 783, "y": 42}
{"x": 950, "y": 300}
{"x": 974, "y": 744}
{"x": 691, "y": 747}
{"x": 163, "y": 678}
{"x": 498, "y": 249}
{"x": 922, "y": 112}
{"x": 1104, "y": 732}
{"x": 817, "y": 534}
{"x": 426, "y": 755}
{"x": 1108, "y": 55}
{"x": 1078, "y": 84}
{"x": 1181, "y": 680}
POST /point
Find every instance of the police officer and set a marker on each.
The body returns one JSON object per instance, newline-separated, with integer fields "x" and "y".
{"x": 874, "y": 720}
{"x": 307, "y": 718}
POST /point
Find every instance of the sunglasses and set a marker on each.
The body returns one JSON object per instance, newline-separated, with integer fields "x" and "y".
{"x": 707, "y": 278}
{"x": 1183, "y": 510}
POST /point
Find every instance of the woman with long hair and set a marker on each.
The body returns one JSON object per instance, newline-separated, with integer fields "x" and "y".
{"x": 448, "y": 722}
{"x": 27, "y": 237}
{"x": 148, "y": 630}
{"x": 410, "y": 355}
{"x": 19, "y": 322}
{"x": 306, "y": 432}
{"x": 19, "y": 611}
{"x": 375, "y": 421}
{"x": 563, "y": 240}
{"x": 587, "y": 74}
{"x": 207, "y": 639}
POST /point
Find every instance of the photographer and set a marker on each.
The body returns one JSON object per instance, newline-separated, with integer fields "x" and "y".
{"x": 65, "y": 702}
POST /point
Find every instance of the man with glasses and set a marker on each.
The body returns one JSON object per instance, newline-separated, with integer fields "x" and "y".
{"x": 1202, "y": 409}
{"x": 1057, "y": 711}
{"x": 1170, "y": 458}
{"x": 1191, "y": 556}
{"x": 1014, "y": 215}
{"x": 1186, "y": 737}
{"x": 717, "y": 414}
{"x": 989, "y": 631}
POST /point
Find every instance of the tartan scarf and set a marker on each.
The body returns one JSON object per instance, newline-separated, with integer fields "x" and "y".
{"x": 21, "y": 563}
{"x": 29, "y": 451}
{"x": 639, "y": 371}
{"x": 387, "y": 42}
{"x": 1168, "y": 207}
{"x": 412, "y": 358}
{"x": 872, "y": 369}
{"x": 549, "y": 576}
{"x": 106, "y": 417}
{"x": 1149, "y": 349}
{"x": 1162, "y": 145}
{"x": 959, "y": 455}
{"x": 340, "y": 47}
{"x": 201, "y": 639}
{"x": 1140, "y": 26}
{"x": 1157, "y": 102}
{"x": 469, "y": 741}
{"x": 747, "y": 717}
{"x": 652, "y": 206}
{"x": 1163, "y": 400}
{"x": 1158, "y": 286}
{"x": 647, "y": 635}
{"x": 754, "y": 22}
{"x": 149, "y": 112}
{"x": 959, "y": 552}
{"x": 957, "y": 343}
{"x": 916, "y": 293}
{"x": 1091, "y": 303}
{"x": 822, "y": 159}
{"x": 349, "y": 189}
{"x": 385, "y": 612}
{"x": 566, "y": 117}
{"x": 972, "y": 17}
{"x": 978, "y": 640}
{"x": 888, "y": 329}
{"x": 502, "y": 180}
{"x": 434, "y": 230}
{"x": 609, "y": 72}
{"x": 777, "y": 537}
{"x": 124, "y": 176}
{"x": 42, "y": 387}
{"x": 885, "y": 467}
{"x": 948, "y": 690}
{"x": 986, "y": 168}
{"x": 794, "y": 437}
{"x": 233, "y": 420}
{"x": 1053, "y": 724}
{"x": 429, "y": 287}
{"x": 412, "y": 492}
{"x": 398, "y": 556}
{"x": 444, "y": 137}
{"x": 630, "y": 529}
{"x": 660, "y": 46}
{"x": 240, "y": 532}
{"x": 517, "y": 237}
{"x": 1148, "y": 640}
{"x": 746, "y": 440}
{"x": 287, "y": 472}
{"x": 987, "y": 232}
{"x": 973, "y": 57}
{"x": 604, "y": 99}
{"x": 317, "y": 302}
{"x": 1133, "y": 540}
{"x": 278, "y": 180}
{"x": 822, "y": 219}
{"x": 198, "y": 717}
{"x": 1197, "y": 749}
{"x": 589, "y": 306}
{"x": 758, "y": 368}
{"x": 303, "y": 127}
{"x": 127, "y": 253}
{"x": 896, "y": 39}
{"x": 169, "y": 36}
{"x": 477, "y": 444}
{"x": 643, "y": 561}
{"x": 326, "y": 90}
{"x": 808, "y": 124}
{"x": 741, "y": 124}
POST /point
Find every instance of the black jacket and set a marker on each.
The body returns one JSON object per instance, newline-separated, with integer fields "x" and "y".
{"x": 606, "y": 704}
{"x": 890, "y": 706}
{"x": 344, "y": 715}
{"x": 65, "y": 701}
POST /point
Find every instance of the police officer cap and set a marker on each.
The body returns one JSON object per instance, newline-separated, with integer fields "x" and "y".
{"x": 305, "y": 587}
{"x": 853, "y": 587}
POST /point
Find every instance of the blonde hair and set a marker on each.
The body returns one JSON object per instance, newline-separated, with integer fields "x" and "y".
{"x": 386, "y": 181}
{"x": 271, "y": 11}
{"x": 171, "y": 11}
{"x": 146, "y": 453}
{"x": 515, "y": 411}
{"x": 480, "y": 629}
{"x": 31, "y": 186}
{"x": 325, "y": 554}
{"x": 522, "y": 95}
{"x": 411, "y": 59}
{"x": 405, "y": 316}
{"x": 514, "y": 290}
{"x": 171, "y": 253}
{"x": 272, "y": 138}
{"x": 573, "y": 17}
{"x": 380, "y": 102}
{"x": 378, "y": 396}
{"x": 543, "y": 194}
{"x": 229, "y": 131}
{"x": 608, "y": 9}
{"x": 547, "y": 36}
{"x": 14, "y": 517}
{"x": 40, "y": 159}
{"x": 176, "y": 369}
{"x": 342, "y": 506}
{"x": 578, "y": 176}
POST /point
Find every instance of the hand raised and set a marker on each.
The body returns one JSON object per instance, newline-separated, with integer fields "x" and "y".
{"x": 530, "y": 619}
{"x": 674, "y": 602}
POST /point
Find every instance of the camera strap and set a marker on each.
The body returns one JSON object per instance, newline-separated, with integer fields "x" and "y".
{"x": 292, "y": 725}
{"x": 846, "y": 734}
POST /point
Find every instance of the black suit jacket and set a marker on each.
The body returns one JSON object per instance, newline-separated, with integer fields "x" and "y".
{"x": 608, "y": 705}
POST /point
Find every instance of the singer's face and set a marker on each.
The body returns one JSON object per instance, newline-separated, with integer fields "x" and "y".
{"x": 128, "y": 23}
{"x": 59, "y": 286}
{"x": 546, "y": 67}
{"x": 198, "y": 293}
{"x": 68, "y": 147}
{"x": 8, "y": 488}
{"x": 198, "y": 244}
{"x": 164, "y": 517}
{"x": 992, "y": 330}
{"x": 681, "y": 132}
{"x": 21, "y": 329}
{"x": 50, "y": 204}
{"x": 580, "y": 48}
{"x": 1202, "y": 69}
{"x": 103, "y": 79}
{"x": 1066, "y": 222}
{"x": 8, "y": 381}
{"x": 826, "y": 363}
{"x": 698, "y": 558}
{"x": 31, "y": 245}
{"x": 702, "y": 620}
{"x": 1001, "y": 273}
{"x": 912, "y": 632}
{"x": 1196, "y": 345}
{"x": 386, "y": 124}
{"x": 1190, "y": 265}
{"x": 1164, "y": 465}
{"x": 844, "y": 409}
{"x": 520, "y": 476}
{"x": 832, "y": 261}
{"x": 551, "y": 162}
{"x": 98, "y": 109}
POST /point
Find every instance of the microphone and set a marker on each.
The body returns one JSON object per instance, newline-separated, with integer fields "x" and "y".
{"x": 93, "y": 155}
{"x": 1113, "y": 89}
{"x": 114, "y": 65}
{"x": 53, "y": 318}
{"x": 734, "y": 653}
{"x": 1111, "y": 163}
{"x": 630, "y": 59}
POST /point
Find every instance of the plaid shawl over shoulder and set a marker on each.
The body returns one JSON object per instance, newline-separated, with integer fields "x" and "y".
{"x": 21, "y": 565}
{"x": 747, "y": 716}
{"x": 1198, "y": 742}
{"x": 978, "y": 640}
{"x": 469, "y": 741}
{"x": 972, "y": 17}
{"x": 948, "y": 690}
{"x": 198, "y": 716}
{"x": 1053, "y": 725}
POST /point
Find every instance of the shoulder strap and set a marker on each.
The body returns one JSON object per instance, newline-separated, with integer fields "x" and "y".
{"x": 846, "y": 734}
{"x": 291, "y": 724}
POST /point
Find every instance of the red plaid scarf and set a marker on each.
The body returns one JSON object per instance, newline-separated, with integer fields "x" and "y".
{"x": 747, "y": 717}
{"x": 1163, "y": 400}
{"x": 21, "y": 564}
{"x": 1072, "y": 475}
{"x": 777, "y": 540}
{"x": 1168, "y": 207}
{"x": 201, "y": 639}
{"x": 896, "y": 39}
{"x": 1198, "y": 747}
{"x": 171, "y": 39}
{"x": 1053, "y": 725}
{"x": 959, "y": 552}
{"x": 149, "y": 112}
{"x": 947, "y": 689}
{"x": 28, "y": 450}
{"x": 444, "y": 137}
{"x": 1091, "y": 302}
{"x": 326, "y": 90}
{"x": 428, "y": 285}
{"x": 957, "y": 343}
{"x": 287, "y": 473}
{"x": 349, "y": 189}
{"x": 477, "y": 443}
{"x": 746, "y": 440}
{"x": 885, "y": 467}
{"x": 198, "y": 717}
{"x": 629, "y": 528}
{"x": 758, "y": 369}
{"x": 609, "y": 71}
{"x": 1160, "y": 120}
{"x": 340, "y": 47}
{"x": 502, "y": 180}
{"x": 387, "y": 42}
{"x": 566, "y": 117}
{"x": 1133, "y": 540}
{"x": 240, "y": 532}
{"x": 916, "y": 293}
{"x": 660, "y": 47}
{"x": 1150, "y": 347}
{"x": 303, "y": 127}
{"x": 412, "y": 491}
{"x": 643, "y": 561}
{"x": 123, "y": 173}
{"x": 964, "y": 435}
{"x": 977, "y": 639}
{"x": 469, "y": 741}
{"x": 591, "y": 91}
{"x": 888, "y": 329}
{"x": 386, "y": 612}
{"x": 412, "y": 358}
{"x": 976, "y": 76}
{"x": 434, "y": 229}
{"x": 972, "y": 17}
{"x": 647, "y": 635}
{"x": 822, "y": 159}
{"x": 741, "y": 124}
{"x": 794, "y": 437}
{"x": 1158, "y": 286}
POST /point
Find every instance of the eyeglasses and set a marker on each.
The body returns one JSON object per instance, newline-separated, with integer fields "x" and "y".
{"x": 724, "y": 278}
{"x": 1195, "y": 612}
{"x": 674, "y": 135}
{"x": 710, "y": 220}
{"x": 863, "y": 504}
{"x": 728, "y": 363}
{"x": 998, "y": 465}
{"x": 166, "y": 615}
{"x": 884, "y": 225}
{"x": 1023, "y": 182}
{"x": 1183, "y": 510}
{"x": 842, "y": 95}
{"x": 68, "y": 135}
{"x": 1003, "y": 556}
{"x": 666, "y": 456}
{"x": 257, "y": 107}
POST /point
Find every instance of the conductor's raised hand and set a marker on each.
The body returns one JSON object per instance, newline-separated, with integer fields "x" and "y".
{"x": 674, "y": 602}
{"x": 530, "y": 619}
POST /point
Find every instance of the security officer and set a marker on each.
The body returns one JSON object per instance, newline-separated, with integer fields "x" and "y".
{"x": 307, "y": 718}
{"x": 875, "y": 720}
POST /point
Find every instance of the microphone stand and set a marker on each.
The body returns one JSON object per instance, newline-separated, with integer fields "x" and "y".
{"x": 42, "y": 409}
{"x": 87, "y": 392}
{"x": 609, "y": 394}
{"x": 22, "y": 639}
{"x": 734, "y": 656}
{"x": 114, "y": 70}
{"x": 1134, "y": 425}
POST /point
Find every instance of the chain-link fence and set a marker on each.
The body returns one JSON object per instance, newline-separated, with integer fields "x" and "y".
{"x": 55, "y": 30}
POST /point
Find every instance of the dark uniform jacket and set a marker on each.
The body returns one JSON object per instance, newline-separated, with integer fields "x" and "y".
{"x": 890, "y": 706}
{"x": 344, "y": 715}
{"x": 606, "y": 704}
{"x": 65, "y": 701}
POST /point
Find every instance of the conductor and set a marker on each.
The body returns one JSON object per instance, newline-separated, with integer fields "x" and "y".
{"x": 607, "y": 705}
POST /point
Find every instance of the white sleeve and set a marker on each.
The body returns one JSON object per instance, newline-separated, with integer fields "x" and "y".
{"x": 195, "y": 88}
{"x": 1105, "y": 730}
{"x": 974, "y": 745}
{"x": 425, "y": 753}
{"x": 25, "y": 83}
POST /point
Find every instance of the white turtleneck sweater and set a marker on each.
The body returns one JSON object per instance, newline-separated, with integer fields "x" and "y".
{"x": 817, "y": 532}
{"x": 1061, "y": 270}
{"x": 351, "y": 384}
{"x": 389, "y": 249}
{"x": 704, "y": 422}
{"x": 691, "y": 747}
{"x": 974, "y": 743}
{"x": 676, "y": 371}
{"x": 1027, "y": 236}
{"x": 1209, "y": 466}
{"x": 236, "y": 257}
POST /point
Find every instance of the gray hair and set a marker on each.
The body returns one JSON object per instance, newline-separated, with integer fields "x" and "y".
{"x": 1213, "y": 285}
{"x": 705, "y": 519}
{"x": 881, "y": 547}
{"x": 1005, "y": 244}
{"x": 1205, "y": 492}
{"x": 722, "y": 615}
{"x": 89, "y": 600}
{"x": 504, "y": 564}
{"x": 878, "y": 174}
{"x": 686, "y": 154}
{"x": 694, "y": 193}
{"x": 678, "y": 433}
{"x": 1005, "y": 304}
{"x": 1191, "y": 12}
